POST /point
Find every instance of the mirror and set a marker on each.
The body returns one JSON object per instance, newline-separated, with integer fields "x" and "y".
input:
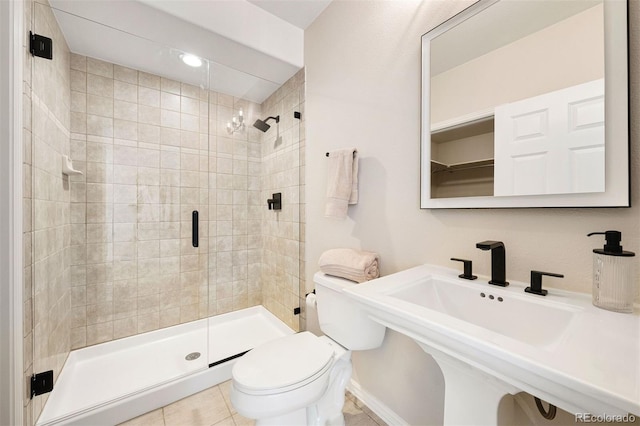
{"x": 525, "y": 104}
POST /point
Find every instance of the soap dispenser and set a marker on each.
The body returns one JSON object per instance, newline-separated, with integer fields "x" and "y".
{"x": 614, "y": 274}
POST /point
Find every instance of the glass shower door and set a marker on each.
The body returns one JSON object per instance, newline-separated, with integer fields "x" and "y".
{"x": 116, "y": 265}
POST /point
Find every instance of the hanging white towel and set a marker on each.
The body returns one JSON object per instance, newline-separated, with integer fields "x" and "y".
{"x": 342, "y": 182}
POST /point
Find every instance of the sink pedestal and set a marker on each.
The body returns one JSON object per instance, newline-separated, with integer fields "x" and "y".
{"x": 472, "y": 397}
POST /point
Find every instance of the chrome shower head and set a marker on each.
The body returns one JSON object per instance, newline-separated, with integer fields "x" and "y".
{"x": 263, "y": 126}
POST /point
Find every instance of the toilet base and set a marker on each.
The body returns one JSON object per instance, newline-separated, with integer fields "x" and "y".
{"x": 299, "y": 418}
{"x": 294, "y": 418}
{"x": 327, "y": 410}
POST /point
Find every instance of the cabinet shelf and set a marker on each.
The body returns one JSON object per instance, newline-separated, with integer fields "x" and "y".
{"x": 437, "y": 166}
{"x": 462, "y": 130}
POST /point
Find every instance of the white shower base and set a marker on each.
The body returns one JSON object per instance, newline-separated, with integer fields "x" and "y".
{"x": 115, "y": 381}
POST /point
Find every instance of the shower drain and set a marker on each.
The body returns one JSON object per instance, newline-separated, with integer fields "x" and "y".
{"x": 192, "y": 356}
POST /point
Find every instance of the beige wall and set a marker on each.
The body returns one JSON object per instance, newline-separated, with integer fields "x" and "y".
{"x": 46, "y": 220}
{"x": 364, "y": 91}
{"x": 555, "y": 59}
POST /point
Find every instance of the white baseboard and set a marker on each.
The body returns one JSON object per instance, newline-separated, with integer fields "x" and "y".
{"x": 375, "y": 405}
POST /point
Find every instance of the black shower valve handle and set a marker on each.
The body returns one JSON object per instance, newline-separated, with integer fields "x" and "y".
{"x": 275, "y": 203}
{"x": 468, "y": 269}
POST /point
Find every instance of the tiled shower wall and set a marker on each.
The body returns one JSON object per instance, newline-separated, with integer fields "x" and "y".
{"x": 152, "y": 153}
{"x": 46, "y": 204}
{"x": 283, "y": 231}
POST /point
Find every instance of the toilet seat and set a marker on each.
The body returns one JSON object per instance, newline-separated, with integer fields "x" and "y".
{"x": 283, "y": 365}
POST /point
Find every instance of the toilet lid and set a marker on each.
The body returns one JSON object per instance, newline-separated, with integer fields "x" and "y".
{"x": 283, "y": 363}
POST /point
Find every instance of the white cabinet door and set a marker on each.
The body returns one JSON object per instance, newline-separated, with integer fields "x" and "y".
{"x": 552, "y": 143}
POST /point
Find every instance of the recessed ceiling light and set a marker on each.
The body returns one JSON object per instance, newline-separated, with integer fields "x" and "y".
{"x": 191, "y": 60}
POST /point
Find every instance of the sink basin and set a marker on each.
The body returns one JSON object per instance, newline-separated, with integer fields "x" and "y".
{"x": 520, "y": 317}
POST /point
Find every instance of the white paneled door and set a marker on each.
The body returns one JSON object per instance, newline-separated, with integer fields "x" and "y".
{"x": 552, "y": 143}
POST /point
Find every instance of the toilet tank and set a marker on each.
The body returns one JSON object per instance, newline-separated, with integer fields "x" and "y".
{"x": 341, "y": 318}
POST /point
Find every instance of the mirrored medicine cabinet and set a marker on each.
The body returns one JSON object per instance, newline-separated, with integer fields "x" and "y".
{"x": 525, "y": 104}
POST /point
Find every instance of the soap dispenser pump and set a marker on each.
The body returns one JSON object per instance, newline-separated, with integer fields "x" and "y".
{"x": 614, "y": 275}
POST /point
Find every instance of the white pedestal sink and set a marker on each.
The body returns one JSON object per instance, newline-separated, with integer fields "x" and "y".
{"x": 491, "y": 341}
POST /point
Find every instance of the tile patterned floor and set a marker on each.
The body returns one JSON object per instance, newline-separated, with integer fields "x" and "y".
{"x": 212, "y": 407}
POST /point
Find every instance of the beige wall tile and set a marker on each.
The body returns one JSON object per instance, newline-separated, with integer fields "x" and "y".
{"x": 125, "y": 74}
{"x": 148, "y": 322}
{"x": 170, "y": 101}
{"x": 78, "y": 102}
{"x": 125, "y": 91}
{"x": 170, "y": 86}
{"x": 78, "y": 80}
{"x": 148, "y": 133}
{"x": 99, "y": 85}
{"x": 149, "y": 158}
{"x": 99, "y": 126}
{"x": 189, "y": 105}
{"x": 170, "y": 119}
{"x": 125, "y": 110}
{"x": 78, "y": 62}
{"x": 149, "y": 115}
{"x": 125, "y": 213}
{"x": 148, "y": 96}
{"x": 148, "y": 80}
{"x": 123, "y": 129}
{"x": 191, "y": 91}
{"x": 99, "y": 105}
{"x": 125, "y": 327}
{"x": 98, "y": 67}
{"x": 99, "y": 333}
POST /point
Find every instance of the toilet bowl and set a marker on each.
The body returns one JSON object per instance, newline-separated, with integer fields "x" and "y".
{"x": 301, "y": 379}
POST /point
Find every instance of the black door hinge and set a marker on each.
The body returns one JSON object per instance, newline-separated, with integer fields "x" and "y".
{"x": 40, "y": 46}
{"x": 41, "y": 383}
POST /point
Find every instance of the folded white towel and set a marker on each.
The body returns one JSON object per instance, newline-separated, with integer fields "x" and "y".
{"x": 354, "y": 265}
{"x": 342, "y": 182}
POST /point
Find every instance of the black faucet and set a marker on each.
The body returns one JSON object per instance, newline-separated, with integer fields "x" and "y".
{"x": 498, "y": 264}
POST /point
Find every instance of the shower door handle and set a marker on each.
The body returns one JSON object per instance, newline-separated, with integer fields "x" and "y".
{"x": 194, "y": 228}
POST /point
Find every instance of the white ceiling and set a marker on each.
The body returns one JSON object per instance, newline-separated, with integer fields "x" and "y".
{"x": 253, "y": 46}
{"x": 300, "y": 13}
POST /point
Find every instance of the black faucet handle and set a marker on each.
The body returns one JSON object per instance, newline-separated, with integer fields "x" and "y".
{"x": 536, "y": 282}
{"x": 468, "y": 275}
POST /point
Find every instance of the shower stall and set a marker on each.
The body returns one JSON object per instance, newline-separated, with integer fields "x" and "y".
{"x": 154, "y": 261}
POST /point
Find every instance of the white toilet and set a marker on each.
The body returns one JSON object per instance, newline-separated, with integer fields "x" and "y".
{"x": 301, "y": 379}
